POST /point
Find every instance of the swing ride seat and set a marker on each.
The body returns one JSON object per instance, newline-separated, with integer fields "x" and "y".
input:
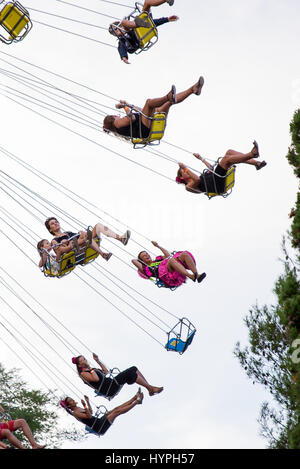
{"x": 90, "y": 254}
{"x": 157, "y": 129}
{"x": 101, "y": 411}
{"x": 146, "y": 37}
{"x": 181, "y": 336}
{"x": 229, "y": 183}
{"x": 14, "y": 18}
{"x": 114, "y": 371}
{"x": 70, "y": 260}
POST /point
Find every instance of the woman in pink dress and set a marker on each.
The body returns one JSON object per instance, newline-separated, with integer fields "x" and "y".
{"x": 170, "y": 269}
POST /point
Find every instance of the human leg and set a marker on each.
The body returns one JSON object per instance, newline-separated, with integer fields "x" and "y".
{"x": 8, "y": 435}
{"x": 99, "y": 228}
{"x": 155, "y": 3}
{"x": 23, "y": 425}
{"x": 143, "y": 382}
{"x": 234, "y": 157}
{"x": 124, "y": 408}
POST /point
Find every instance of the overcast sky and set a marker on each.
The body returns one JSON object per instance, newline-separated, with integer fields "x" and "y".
{"x": 248, "y": 54}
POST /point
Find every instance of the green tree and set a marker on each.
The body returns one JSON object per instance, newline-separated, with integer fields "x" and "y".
{"x": 271, "y": 359}
{"x": 38, "y": 408}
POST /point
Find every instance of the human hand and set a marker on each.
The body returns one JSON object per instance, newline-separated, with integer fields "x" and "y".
{"x": 125, "y": 60}
{"x": 95, "y": 357}
{"x": 173, "y": 18}
{"x": 197, "y": 156}
{"x": 154, "y": 243}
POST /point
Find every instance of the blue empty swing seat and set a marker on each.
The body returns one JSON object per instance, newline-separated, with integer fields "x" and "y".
{"x": 181, "y": 336}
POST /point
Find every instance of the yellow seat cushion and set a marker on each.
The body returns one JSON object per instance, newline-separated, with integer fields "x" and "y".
{"x": 229, "y": 183}
{"x": 145, "y": 35}
{"x": 158, "y": 125}
{"x": 13, "y": 19}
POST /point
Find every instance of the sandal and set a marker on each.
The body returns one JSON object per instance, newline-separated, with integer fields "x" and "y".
{"x": 261, "y": 164}
{"x": 172, "y": 98}
{"x": 170, "y": 2}
{"x": 200, "y": 84}
{"x": 255, "y": 150}
{"x": 107, "y": 256}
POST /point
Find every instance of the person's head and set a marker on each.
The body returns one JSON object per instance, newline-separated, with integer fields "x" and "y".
{"x": 108, "y": 124}
{"x": 80, "y": 363}
{"x": 114, "y": 29}
{"x": 43, "y": 244}
{"x": 68, "y": 403}
{"x": 180, "y": 177}
{"x": 144, "y": 257}
{"x": 52, "y": 225}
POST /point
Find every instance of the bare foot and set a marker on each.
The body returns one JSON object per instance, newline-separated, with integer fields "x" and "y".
{"x": 155, "y": 390}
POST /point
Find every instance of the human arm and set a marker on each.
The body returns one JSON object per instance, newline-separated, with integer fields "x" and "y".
{"x": 138, "y": 264}
{"x": 188, "y": 173}
{"x": 160, "y": 21}
{"x": 87, "y": 407}
{"x": 123, "y": 52}
{"x": 102, "y": 366}
{"x": 163, "y": 250}
{"x": 84, "y": 413}
{"x": 199, "y": 157}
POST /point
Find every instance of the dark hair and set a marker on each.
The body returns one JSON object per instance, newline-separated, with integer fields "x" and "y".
{"x": 179, "y": 179}
{"x": 108, "y": 123}
{"x": 75, "y": 360}
{"x": 112, "y": 29}
{"x": 47, "y": 223}
{"x": 139, "y": 258}
{"x": 40, "y": 245}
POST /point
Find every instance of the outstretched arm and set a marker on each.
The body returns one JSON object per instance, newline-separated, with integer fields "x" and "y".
{"x": 199, "y": 157}
{"x": 163, "y": 250}
{"x": 102, "y": 366}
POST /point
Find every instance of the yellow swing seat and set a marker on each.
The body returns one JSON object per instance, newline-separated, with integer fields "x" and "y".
{"x": 15, "y": 20}
{"x": 70, "y": 260}
{"x": 146, "y": 37}
{"x": 229, "y": 183}
{"x": 157, "y": 129}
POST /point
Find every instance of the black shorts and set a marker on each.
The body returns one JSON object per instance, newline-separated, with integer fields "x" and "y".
{"x": 98, "y": 425}
{"x": 128, "y": 376}
{"x": 210, "y": 182}
{"x": 138, "y": 132}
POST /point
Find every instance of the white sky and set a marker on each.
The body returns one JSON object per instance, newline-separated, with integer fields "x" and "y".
{"x": 247, "y": 52}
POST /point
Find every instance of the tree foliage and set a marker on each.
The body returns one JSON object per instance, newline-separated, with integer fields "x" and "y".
{"x": 272, "y": 359}
{"x": 38, "y": 408}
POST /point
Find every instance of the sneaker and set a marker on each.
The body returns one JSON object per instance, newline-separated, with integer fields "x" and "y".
{"x": 125, "y": 238}
{"x": 201, "y": 277}
{"x": 170, "y": 2}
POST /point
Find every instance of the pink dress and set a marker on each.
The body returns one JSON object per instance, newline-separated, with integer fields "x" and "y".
{"x": 174, "y": 279}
